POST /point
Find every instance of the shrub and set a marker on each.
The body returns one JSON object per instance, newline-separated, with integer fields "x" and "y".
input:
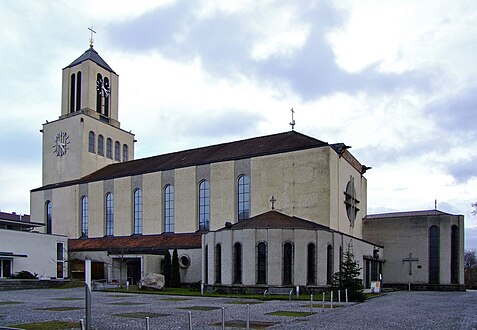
{"x": 175, "y": 273}
{"x": 25, "y": 275}
{"x": 348, "y": 277}
{"x": 167, "y": 269}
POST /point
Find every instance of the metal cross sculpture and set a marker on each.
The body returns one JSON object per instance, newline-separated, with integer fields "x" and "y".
{"x": 292, "y": 123}
{"x": 91, "y": 40}
{"x": 410, "y": 260}
{"x": 273, "y": 200}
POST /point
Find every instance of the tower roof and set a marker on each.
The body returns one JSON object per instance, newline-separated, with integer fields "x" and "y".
{"x": 91, "y": 54}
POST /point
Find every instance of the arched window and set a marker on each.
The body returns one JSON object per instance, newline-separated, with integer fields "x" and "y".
{"x": 72, "y": 92}
{"x": 109, "y": 148}
{"x": 455, "y": 254}
{"x": 99, "y": 86}
{"x": 243, "y": 197}
{"x": 125, "y": 152}
{"x": 287, "y": 263}
{"x": 84, "y": 216}
{"x": 434, "y": 259}
{"x": 91, "y": 141}
{"x": 78, "y": 91}
{"x": 329, "y": 264}
{"x": 204, "y": 205}
{"x": 311, "y": 264}
{"x": 100, "y": 145}
{"x": 137, "y": 211}
{"x": 109, "y": 210}
{"x": 169, "y": 209}
{"x": 106, "y": 96}
{"x": 117, "y": 151}
{"x": 48, "y": 216}
{"x": 218, "y": 264}
{"x": 237, "y": 263}
{"x": 262, "y": 263}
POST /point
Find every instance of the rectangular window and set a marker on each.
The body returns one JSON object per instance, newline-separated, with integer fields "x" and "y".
{"x": 5, "y": 268}
{"x": 59, "y": 259}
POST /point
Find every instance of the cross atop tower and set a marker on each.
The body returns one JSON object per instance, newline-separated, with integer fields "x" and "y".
{"x": 91, "y": 40}
{"x": 292, "y": 123}
{"x": 273, "y": 200}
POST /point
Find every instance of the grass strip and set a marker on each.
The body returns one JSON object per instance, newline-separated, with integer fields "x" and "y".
{"x": 49, "y": 325}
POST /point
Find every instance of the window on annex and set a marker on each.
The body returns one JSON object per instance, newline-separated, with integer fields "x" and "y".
{"x": 59, "y": 260}
{"x": 455, "y": 254}
{"x": 434, "y": 259}
{"x": 243, "y": 197}
{"x": 109, "y": 148}
{"x": 311, "y": 265}
{"x": 262, "y": 263}
{"x": 237, "y": 263}
{"x": 100, "y": 145}
{"x": 206, "y": 265}
{"x": 125, "y": 152}
{"x": 218, "y": 264}
{"x": 204, "y": 205}
{"x": 109, "y": 212}
{"x": 287, "y": 263}
{"x": 84, "y": 216}
{"x": 48, "y": 217}
{"x": 137, "y": 217}
{"x": 117, "y": 151}
{"x": 329, "y": 264}
{"x": 91, "y": 141}
{"x": 5, "y": 268}
{"x": 169, "y": 209}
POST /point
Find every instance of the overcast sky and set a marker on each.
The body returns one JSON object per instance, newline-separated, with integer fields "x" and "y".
{"x": 396, "y": 80}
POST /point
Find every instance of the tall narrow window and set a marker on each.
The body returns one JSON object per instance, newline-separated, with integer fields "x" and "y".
{"x": 329, "y": 264}
{"x": 204, "y": 205}
{"x": 84, "y": 216}
{"x": 100, "y": 145}
{"x": 237, "y": 263}
{"x": 455, "y": 254}
{"x": 218, "y": 264}
{"x": 109, "y": 148}
{"x": 72, "y": 92}
{"x": 137, "y": 211}
{"x": 78, "y": 91}
{"x": 169, "y": 209}
{"x": 262, "y": 263}
{"x": 243, "y": 197}
{"x": 434, "y": 259}
{"x": 125, "y": 152}
{"x": 106, "y": 96}
{"x": 91, "y": 141}
{"x": 109, "y": 210}
{"x": 59, "y": 260}
{"x": 99, "y": 87}
{"x": 311, "y": 265}
{"x": 117, "y": 151}
{"x": 287, "y": 263}
{"x": 48, "y": 216}
{"x": 206, "y": 265}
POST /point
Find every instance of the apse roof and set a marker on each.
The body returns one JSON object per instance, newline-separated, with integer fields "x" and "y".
{"x": 274, "y": 220}
{"x": 405, "y": 214}
{"x": 91, "y": 54}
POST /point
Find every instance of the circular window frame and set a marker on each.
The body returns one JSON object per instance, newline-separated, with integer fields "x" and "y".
{"x": 183, "y": 264}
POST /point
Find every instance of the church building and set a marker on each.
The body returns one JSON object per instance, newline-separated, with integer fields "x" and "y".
{"x": 275, "y": 210}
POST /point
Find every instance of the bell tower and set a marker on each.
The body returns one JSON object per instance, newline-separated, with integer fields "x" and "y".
{"x": 87, "y": 136}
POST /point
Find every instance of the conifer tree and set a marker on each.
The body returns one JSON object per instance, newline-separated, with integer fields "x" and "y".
{"x": 175, "y": 273}
{"x": 348, "y": 277}
{"x": 167, "y": 269}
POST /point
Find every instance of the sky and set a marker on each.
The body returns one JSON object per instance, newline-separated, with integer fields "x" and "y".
{"x": 396, "y": 80}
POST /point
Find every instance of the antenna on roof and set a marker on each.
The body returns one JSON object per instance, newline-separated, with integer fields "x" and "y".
{"x": 91, "y": 40}
{"x": 292, "y": 123}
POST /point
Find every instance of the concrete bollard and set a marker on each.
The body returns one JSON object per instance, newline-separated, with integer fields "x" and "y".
{"x": 82, "y": 324}
{"x": 331, "y": 301}
{"x": 147, "y": 322}
{"x": 223, "y": 318}
{"x": 248, "y": 316}
{"x": 297, "y": 289}
{"x": 339, "y": 296}
{"x": 311, "y": 303}
{"x": 201, "y": 288}
{"x": 190, "y": 320}
{"x": 346, "y": 294}
{"x": 323, "y": 305}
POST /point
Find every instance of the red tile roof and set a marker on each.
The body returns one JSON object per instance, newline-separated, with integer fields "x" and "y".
{"x": 405, "y": 214}
{"x": 137, "y": 243}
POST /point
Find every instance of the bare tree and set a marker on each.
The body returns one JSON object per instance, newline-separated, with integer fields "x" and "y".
{"x": 470, "y": 258}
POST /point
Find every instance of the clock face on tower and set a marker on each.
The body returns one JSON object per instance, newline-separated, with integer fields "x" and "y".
{"x": 61, "y": 142}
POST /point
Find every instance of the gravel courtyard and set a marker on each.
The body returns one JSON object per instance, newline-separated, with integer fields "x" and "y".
{"x": 398, "y": 310}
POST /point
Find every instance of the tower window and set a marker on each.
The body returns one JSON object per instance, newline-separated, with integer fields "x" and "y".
{"x": 78, "y": 91}
{"x": 84, "y": 216}
{"x": 109, "y": 148}
{"x": 137, "y": 217}
{"x": 117, "y": 151}
{"x": 204, "y": 205}
{"x": 125, "y": 152}
{"x": 109, "y": 214}
{"x": 72, "y": 92}
{"x": 243, "y": 197}
{"x": 169, "y": 209}
{"x": 106, "y": 96}
{"x": 91, "y": 141}
{"x": 100, "y": 145}
{"x": 99, "y": 86}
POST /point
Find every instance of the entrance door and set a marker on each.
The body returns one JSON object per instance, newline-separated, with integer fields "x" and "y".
{"x": 5, "y": 268}
{"x": 134, "y": 270}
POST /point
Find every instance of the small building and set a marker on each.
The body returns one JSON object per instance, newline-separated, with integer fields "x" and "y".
{"x": 22, "y": 248}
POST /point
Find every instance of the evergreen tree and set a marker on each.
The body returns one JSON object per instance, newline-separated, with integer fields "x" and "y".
{"x": 167, "y": 269}
{"x": 175, "y": 273}
{"x": 348, "y": 277}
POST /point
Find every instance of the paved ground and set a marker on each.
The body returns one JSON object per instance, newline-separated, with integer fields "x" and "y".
{"x": 398, "y": 310}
